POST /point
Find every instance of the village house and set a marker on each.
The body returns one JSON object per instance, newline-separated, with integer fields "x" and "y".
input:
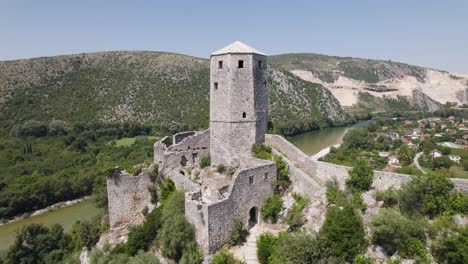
{"x": 455, "y": 158}
{"x": 384, "y": 154}
{"x": 460, "y": 141}
{"x": 435, "y": 153}
{"x": 393, "y": 160}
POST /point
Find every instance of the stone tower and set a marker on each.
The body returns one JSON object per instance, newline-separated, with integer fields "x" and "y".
{"x": 238, "y": 102}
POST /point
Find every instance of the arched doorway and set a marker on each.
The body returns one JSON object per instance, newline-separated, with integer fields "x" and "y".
{"x": 253, "y": 216}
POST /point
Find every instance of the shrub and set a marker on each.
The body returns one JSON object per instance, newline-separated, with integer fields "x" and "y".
{"x": 282, "y": 172}
{"x": 262, "y": 152}
{"x": 238, "y": 234}
{"x": 220, "y": 168}
{"x": 295, "y": 217}
{"x": 167, "y": 189}
{"x": 271, "y": 208}
{"x": 154, "y": 173}
{"x": 154, "y": 194}
{"x": 393, "y": 231}
{"x": 205, "y": 161}
{"x": 298, "y": 247}
{"x": 362, "y": 259}
{"x": 174, "y": 236}
{"x": 223, "y": 256}
{"x": 343, "y": 232}
{"x": 360, "y": 176}
{"x": 430, "y": 195}
{"x": 334, "y": 194}
{"x": 137, "y": 240}
{"x": 265, "y": 245}
{"x": 451, "y": 248}
{"x": 389, "y": 197}
{"x": 86, "y": 233}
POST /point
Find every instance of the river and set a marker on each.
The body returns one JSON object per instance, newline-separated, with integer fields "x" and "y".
{"x": 65, "y": 216}
{"x": 313, "y": 142}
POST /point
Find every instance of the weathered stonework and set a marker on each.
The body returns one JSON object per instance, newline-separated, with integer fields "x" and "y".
{"x": 213, "y": 220}
{"x": 186, "y": 152}
{"x": 238, "y": 102}
{"x": 128, "y": 195}
{"x": 321, "y": 172}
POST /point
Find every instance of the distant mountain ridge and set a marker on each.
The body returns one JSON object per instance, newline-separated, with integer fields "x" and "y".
{"x": 347, "y": 77}
{"x": 168, "y": 90}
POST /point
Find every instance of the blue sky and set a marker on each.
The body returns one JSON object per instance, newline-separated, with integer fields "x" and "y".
{"x": 427, "y": 33}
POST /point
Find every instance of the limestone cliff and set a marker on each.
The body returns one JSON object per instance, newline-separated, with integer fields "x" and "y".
{"x": 346, "y": 77}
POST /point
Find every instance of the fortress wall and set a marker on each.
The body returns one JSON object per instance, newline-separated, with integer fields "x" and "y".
{"x": 327, "y": 171}
{"x": 127, "y": 197}
{"x": 219, "y": 216}
{"x": 197, "y": 214}
{"x": 298, "y": 158}
{"x": 177, "y": 138}
{"x": 187, "y": 152}
{"x": 301, "y": 182}
{"x": 243, "y": 197}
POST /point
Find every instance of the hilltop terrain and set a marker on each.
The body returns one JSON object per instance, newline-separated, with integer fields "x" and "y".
{"x": 168, "y": 90}
{"x": 347, "y": 78}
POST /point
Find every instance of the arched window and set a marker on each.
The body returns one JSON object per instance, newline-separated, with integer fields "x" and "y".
{"x": 244, "y": 115}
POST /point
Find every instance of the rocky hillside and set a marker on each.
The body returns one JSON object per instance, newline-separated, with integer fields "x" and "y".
{"x": 168, "y": 90}
{"x": 347, "y": 77}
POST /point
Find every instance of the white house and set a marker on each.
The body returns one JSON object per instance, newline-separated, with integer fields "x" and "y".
{"x": 435, "y": 153}
{"x": 455, "y": 158}
{"x": 383, "y": 154}
{"x": 393, "y": 160}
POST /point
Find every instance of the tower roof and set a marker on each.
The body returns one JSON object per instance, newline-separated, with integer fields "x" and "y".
{"x": 237, "y": 47}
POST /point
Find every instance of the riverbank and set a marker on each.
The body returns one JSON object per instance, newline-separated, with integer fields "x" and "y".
{"x": 66, "y": 216}
{"x": 47, "y": 209}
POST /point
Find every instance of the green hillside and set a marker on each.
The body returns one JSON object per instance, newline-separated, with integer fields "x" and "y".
{"x": 168, "y": 91}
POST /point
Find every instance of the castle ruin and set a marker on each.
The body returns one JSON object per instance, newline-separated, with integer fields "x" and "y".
{"x": 238, "y": 120}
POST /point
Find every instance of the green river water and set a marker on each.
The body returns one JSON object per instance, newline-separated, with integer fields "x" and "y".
{"x": 65, "y": 216}
{"x": 310, "y": 143}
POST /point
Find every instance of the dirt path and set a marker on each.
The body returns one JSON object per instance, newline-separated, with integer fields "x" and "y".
{"x": 416, "y": 162}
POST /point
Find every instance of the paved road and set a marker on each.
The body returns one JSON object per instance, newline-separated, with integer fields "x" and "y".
{"x": 416, "y": 162}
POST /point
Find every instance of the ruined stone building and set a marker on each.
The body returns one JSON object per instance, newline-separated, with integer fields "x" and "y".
{"x": 215, "y": 197}
{"x": 238, "y": 120}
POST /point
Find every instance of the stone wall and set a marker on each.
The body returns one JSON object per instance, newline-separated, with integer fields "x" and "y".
{"x": 187, "y": 151}
{"x": 127, "y": 197}
{"x": 321, "y": 172}
{"x": 213, "y": 222}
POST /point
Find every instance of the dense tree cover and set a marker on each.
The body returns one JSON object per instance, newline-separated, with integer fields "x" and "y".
{"x": 271, "y": 208}
{"x": 406, "y": 155}
{"x": 343, "y": 232}
{"x": 282, "y": 171}
{"x": 451, "y": 247}
{"x": 40, "y": 171}
{"x": 223, "y": 256}
{"x": 291, "y": 248}
{"x": 360, "y": 176}
{"x": 431, "y": 195}
{"x": 395, "y": 232}
{"x": 102, "y": 257}
{"x": 36, "y": 243}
